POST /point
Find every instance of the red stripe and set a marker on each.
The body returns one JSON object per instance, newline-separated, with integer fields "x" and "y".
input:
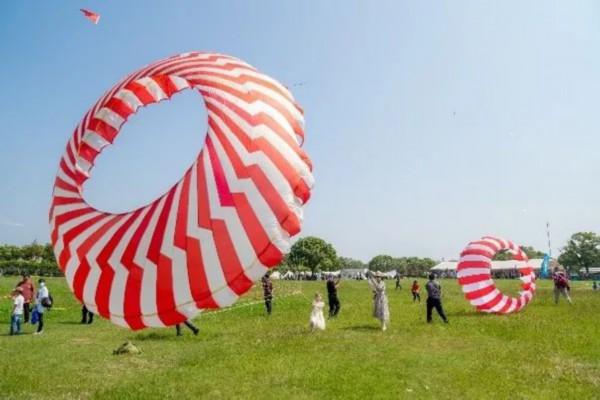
{"x": 107, "y": 272}
{"x": 195, "y": 266}
{"x": 83, "y": 270}
{"x": 140, "y": 91}
{"x": 132, "y": 309}
{"x": 165, "y": 299}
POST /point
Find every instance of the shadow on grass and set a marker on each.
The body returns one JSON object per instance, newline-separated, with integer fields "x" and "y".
{"x": 19, "y": 334}
{"x": 154, "y": 336}
{"x": 362, "y": 328}
{"x": 70, "y": 323}
{"x": 469, "y": 314}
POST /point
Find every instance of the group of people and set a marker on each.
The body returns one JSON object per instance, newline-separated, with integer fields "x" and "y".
{"x": 24, "y": 309}
{"x": 29, "y": 305}
{"x": 381, "y": 309}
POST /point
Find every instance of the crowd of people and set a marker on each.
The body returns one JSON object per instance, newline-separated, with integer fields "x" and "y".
{"x": 380, "y": 300}
{"x": 29, "y": 305}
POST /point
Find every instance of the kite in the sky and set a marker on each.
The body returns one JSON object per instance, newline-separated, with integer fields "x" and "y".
{"x": 474, "y": 273}
{"x": 217, "y": 231}
{"x": 92, "y": 16}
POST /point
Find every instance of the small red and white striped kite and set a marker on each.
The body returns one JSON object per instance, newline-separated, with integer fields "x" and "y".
{"x": 92, "y": 16}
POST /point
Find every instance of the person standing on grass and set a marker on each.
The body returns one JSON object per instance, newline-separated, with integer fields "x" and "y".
{"x": 317, "y": 320}
{"x": 381, "y": 309}
{"x": 561, "y": 285}
{"x": 398, "y": 285}
{"x": 267, "y": 286}
{"x": 434, "y": 298}
{"x": 416, "y": 291}
{"x": 87, "y": 317}
{"x": 43, "y": 302}
{"x": 189, "y": 324}
{"x": 17, "y": 311}
{"x": 27, "y": 291}
{"x": 332, "y": 296}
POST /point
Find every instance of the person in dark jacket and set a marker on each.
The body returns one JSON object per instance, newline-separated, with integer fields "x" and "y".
{"x": 189, "y": 324}
{"x": 87, "y": 317}
{"x": 334, "y": 301}
{"x": 267, "y": 286}
{"x": 434, "y": 298}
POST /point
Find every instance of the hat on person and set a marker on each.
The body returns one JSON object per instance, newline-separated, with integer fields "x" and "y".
{"x": 379, "y": 274}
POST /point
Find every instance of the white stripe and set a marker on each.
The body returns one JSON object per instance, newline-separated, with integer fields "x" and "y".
{"x": 110, "y": 117}
{"x": 117, "y": 292}
{"x": 463, "y": 273}
{"x": 149, "y": 278}
{"x": 181, "y": 287}
{"x": 91, "y": 283}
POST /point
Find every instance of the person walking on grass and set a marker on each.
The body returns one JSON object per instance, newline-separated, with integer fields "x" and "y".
{"x": 381, "y": 309}
{"x": 87, "y": 317}
{"x": 561, "y": 285}
{"x": 334, "y": 301}
{"x": 398, "y": 278}
{"x": 27, "y": 291}
{"x": 416, "y": 291}
{"x": 267, "y": 286}
{"x": 317, "y": 320}
{"x": 16, "y": 315}
{"x": 189, "y": 324}
{"x": 43, "y": 303}
{"x": 434, "y": 298}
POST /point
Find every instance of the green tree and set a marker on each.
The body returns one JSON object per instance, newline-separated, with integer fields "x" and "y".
{"x": 313, "y": 253}
{"x": 347, "y": 262}
{"x": 383, "y": 263}
{"x": 582, "y": 251}
{"x": 529, "y": 250}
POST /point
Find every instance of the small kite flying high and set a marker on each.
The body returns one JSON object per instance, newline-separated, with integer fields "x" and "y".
{"x": 92, "y": 16}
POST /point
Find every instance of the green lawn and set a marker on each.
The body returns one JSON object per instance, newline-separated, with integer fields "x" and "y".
{"x": 545, "y": 352}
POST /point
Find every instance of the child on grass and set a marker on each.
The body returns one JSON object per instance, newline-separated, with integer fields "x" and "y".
{"x": 317, "y": 320}
{"x": 416, "y": 291}
{"x": 17, "y": 311}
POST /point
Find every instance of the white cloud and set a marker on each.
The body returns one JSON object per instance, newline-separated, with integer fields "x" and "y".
{"x": 11, "y": 223}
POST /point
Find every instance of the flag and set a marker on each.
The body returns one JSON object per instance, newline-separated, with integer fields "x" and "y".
{"x": 545, "y": 266}
{"x": 92, "y": 16}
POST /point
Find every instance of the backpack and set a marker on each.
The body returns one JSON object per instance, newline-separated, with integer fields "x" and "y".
{"x": 48, "y": 301}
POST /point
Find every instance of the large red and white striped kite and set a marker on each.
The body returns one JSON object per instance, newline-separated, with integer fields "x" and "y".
{"x": 213, "y": 234}
{"x": 474, "y": 273}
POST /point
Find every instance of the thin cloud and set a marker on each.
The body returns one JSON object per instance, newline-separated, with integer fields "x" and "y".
{"x": 11, "y": 223}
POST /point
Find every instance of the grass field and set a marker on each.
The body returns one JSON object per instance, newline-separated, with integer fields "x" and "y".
{"x": 545, "y": 352}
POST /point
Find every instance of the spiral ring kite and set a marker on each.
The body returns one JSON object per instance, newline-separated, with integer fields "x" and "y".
{"x": 474, "y": 275}
{"x": 213, "y": 234}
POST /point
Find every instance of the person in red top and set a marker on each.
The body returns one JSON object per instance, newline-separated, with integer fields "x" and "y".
{"x": 27, "y": 290}
{"x": 561, "y": 285}
{"x": 416, "y": 291}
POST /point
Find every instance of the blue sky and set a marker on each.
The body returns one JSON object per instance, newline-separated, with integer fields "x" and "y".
{"x": 429, "y": 123}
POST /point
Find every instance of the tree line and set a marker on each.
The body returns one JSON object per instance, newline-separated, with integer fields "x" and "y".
{"x": 314, "y": 254}
{"x": 33, "y": 259}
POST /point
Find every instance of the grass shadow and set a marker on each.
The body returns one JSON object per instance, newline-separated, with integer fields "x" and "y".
{"x": 153, "y": 336}
{"x": 70, "y": 323}
{"x": 362, "y": 328}
{"x": 469, "y": 314}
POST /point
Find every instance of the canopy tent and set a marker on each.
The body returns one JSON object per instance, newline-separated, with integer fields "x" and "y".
{"x": 450, "y": 266}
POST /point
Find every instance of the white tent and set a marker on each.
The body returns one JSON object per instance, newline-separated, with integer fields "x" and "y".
{"x": 449, "y": 266}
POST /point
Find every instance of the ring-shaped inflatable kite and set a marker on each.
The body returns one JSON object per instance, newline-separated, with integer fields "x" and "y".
{"x": 474, "y": 273}
{"x": 213, "y": 234}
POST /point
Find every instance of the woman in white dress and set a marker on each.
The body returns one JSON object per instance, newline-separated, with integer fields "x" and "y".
{"x": 317, "y": 320}
{"x": 381, "y": 309}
